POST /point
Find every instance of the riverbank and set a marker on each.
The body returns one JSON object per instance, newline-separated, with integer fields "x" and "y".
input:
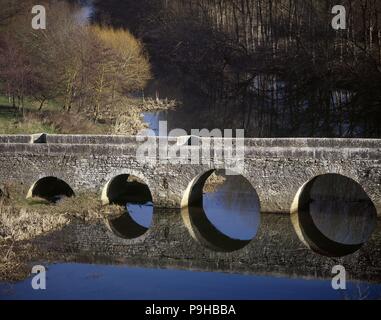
{"x": 22, "y": 220}
{"x": 126, "y": 117}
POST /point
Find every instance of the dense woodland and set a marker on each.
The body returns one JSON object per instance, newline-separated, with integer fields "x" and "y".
{"x": 274, "y": 67}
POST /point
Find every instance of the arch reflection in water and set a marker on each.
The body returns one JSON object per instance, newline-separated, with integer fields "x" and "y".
{"x": 221, "y": 211}
{"x": 134, "y": 196}
{"x": 333, "y": 215}
{"x": 51, "y": 189}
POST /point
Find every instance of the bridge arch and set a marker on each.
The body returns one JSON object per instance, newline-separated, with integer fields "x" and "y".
{"x": 333, "y": 215}
{"x": 199, "y": 224}
{"x": 110, "y": 179}
{"x": 134, "y": 196}
{"x": 50, "y": 188}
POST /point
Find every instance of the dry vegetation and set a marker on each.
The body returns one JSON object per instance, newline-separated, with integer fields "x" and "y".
{"x": 49, "y": 122}
{"x": 214, "y": 181}
{"x": 72, "y": 77}
{"x": 23, "y": 220}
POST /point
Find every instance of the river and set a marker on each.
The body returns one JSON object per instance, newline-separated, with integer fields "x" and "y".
{"x": 89, "y": 281}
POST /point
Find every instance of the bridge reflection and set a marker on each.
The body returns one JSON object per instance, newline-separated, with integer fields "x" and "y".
{"x": 333, "y": 215}
{"x": 276, "y": 249}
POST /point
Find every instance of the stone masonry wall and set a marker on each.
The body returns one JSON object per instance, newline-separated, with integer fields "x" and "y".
{"x": 276, "y": 168}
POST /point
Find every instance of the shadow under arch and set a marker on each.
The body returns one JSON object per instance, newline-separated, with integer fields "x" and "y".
{"x": 122, "y": 190}
{"x": 50, "y": 188}
{"x": 126, "y": 227}
{"x": 125, "y": 188}
{"x": 333, "y": 196}
{"x": 197, "y": 222}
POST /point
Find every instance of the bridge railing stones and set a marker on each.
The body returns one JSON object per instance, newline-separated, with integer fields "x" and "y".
{"x": 185, "y": 140}
{"x": 327, "y": 149}
{"x": 15, "y": 139}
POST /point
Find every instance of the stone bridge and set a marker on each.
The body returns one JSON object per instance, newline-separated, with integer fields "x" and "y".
{"x": 276, "y": 168}
{"x": 280, "y": 170}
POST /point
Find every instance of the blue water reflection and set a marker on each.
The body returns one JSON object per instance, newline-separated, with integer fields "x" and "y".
{"x": 141, "y": 213}
{"x": 85, "y": 281}
{"x": 233, "y": 208}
